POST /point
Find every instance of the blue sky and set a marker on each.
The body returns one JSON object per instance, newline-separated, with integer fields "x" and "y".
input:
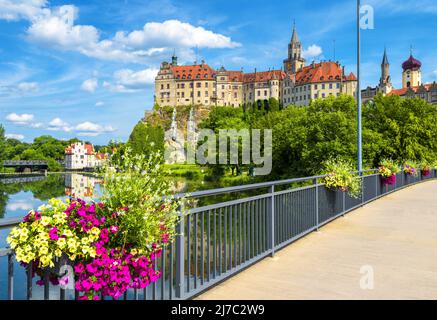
{"x": 86, "y": 68}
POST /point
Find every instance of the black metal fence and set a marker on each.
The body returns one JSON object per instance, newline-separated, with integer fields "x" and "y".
{"x": 218, "y": 240}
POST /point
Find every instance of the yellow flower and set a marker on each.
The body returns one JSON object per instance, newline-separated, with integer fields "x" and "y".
{"x": 58, "y": 253}
{"x": 68, "y": 233}
{"x": 45, "y": 221}
{"x": 61, "y": 243}
{"x": 43, "y": 250}
{"x": 95, "y": 231}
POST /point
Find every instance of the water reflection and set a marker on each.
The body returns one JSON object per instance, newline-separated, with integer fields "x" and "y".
{"x": 19, "y": 194}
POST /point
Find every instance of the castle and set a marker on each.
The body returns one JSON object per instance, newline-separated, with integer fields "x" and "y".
{"x": 412, "y": 85}
{"x": 296, "y": 83}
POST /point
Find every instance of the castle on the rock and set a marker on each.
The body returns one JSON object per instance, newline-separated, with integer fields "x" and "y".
{"x": 296, "y": 83}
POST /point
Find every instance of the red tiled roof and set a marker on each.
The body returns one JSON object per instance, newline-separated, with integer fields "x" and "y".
{"x": 235, "y": 76}
{"x": 263, "y": 76}
{"x": 88, "y": 147}
{"x": 101, "y": 156}
{"x": 203, "y": 72}
{"x": 403, "y": 91}
{"x": 322, "y": 72}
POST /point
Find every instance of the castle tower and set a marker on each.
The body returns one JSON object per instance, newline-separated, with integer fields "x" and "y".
{"x": 174, "y": 59}
{"x": 412, "y": 75}
{"x": 385, "y": 85}
{"x": 294, "y": 61}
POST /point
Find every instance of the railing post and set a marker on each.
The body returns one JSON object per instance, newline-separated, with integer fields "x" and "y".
{"x": 180, "y": 255}
{"x": 272, "y": 220}
{"x": 343, "y": 204}
{"x": 10, "y": 276}
{"x": 316, "y": 182}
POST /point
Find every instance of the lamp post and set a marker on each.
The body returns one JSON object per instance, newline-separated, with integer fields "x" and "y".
{"x": 359, "y": 132}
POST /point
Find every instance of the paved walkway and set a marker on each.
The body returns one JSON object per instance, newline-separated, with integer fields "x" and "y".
{"x": 396, "y": 236}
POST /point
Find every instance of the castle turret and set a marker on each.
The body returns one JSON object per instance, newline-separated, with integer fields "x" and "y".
{"x": 294, "y": 61}
{"x": 412, "y": 75}
{"x": 385, "y": 85}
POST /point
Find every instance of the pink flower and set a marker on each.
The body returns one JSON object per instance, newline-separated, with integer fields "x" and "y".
{"x": 91, "y": 268}
{"x": 78, "y": 268}
{"x": 82, "y": 298}
{"x": 165, "y": 238}
{"x": 37, "y": 216}
{"x": 114, "y": 229}
{"x": 53, "y": 233}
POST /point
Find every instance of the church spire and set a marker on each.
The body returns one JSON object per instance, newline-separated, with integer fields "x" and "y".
{"x": 294, "y": 37}
{"x": 384, "y": 58}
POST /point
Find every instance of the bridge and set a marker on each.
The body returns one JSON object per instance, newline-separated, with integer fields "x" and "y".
{"x": 394, "y": 238}
{"x": 23, "y": 164}
{"x": 21, "y": 178}
{"x": 291, "y": 239}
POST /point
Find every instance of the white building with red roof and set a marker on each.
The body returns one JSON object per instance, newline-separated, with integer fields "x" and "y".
{"x": 81, "y": 156}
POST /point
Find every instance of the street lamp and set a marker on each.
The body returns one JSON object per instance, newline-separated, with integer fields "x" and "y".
{"x": 359, "y": 133}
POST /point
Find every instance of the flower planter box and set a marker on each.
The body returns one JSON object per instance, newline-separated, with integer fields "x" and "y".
{"x": 389, "y": 180}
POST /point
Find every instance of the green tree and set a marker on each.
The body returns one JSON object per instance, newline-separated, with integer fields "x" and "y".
{"x": 146, "y": 138}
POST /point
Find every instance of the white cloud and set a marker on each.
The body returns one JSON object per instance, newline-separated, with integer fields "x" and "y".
{"x": 14, "y": 136}
{"x": 93, "y": 127}
{"x": 57, "y": 124}
{"x": 36, "y": 125}
{"x": 19, "y": 205}
{"x": 434, "y": 72}
{"x": 127, "y": 80}
{"x": 23, "y": 119}
{"x": 28, "y": 86}
{"x": 174, "y": 33}
{"x": 100, "y": 104}
{"x": 90, "y": 85}
{"x": 55, "y": 27}
{"x": 312, "y": 51}
{"x": 13, "y": 10}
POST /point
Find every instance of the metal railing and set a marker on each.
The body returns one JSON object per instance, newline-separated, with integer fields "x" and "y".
{"x": 218, "y": 240}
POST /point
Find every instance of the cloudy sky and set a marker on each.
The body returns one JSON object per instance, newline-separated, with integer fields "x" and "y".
{"x": 85, "y": 69}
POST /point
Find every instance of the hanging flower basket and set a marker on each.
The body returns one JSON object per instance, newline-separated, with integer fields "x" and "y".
{"x": 426, "y": 172}
{"x": 391, "y": 180}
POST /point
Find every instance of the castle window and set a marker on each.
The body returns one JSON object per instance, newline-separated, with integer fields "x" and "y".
{"x": 323, "y": 86}
{"x": 162, "y": 87}
{"x": 265, "y": 92}
{"x": 206, "y": 93}
{"x": 198, "y": 84}
{"x": 330, "y": 86}
{"x": 168, "y": 86}
{"x": 206, "y": 84}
